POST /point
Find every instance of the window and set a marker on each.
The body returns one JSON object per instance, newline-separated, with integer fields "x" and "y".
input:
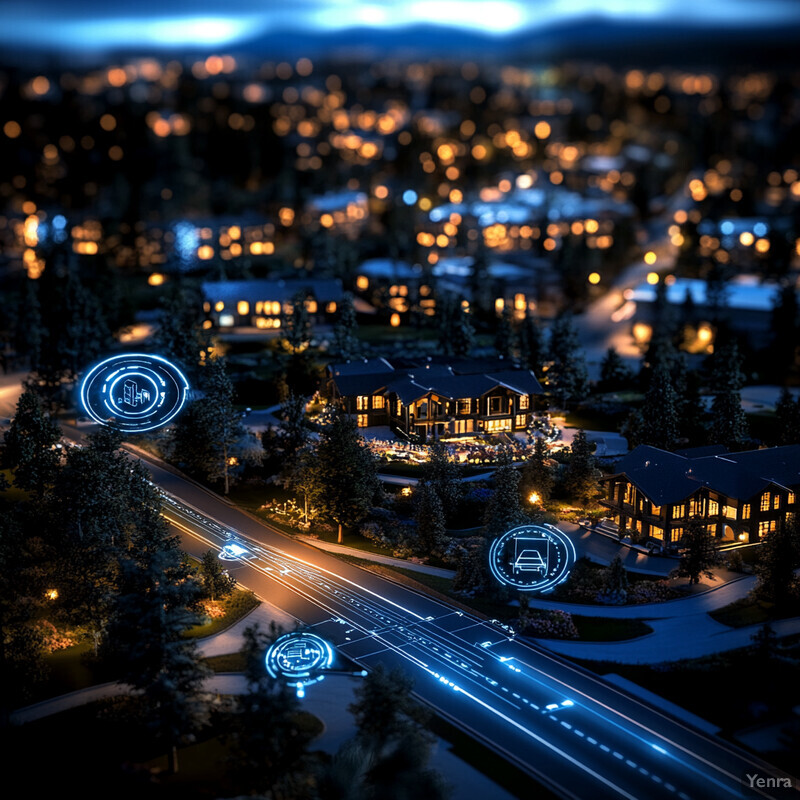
{"x": 521, "y": 421}
{"x": 765, "y": 501}
{"x": 678, "y": 512}
{"x": 791, "y": 499}
{"x": 362, "y": 402}
{"x": 378, "y": 401}
{"x": 362, "y": 420}
{"x": 524, "y": 402}
{"x": 677, "y": 534}
{"x": 494, "y": 425}
{"x": 776, "y": 501}
{"x": 656, "y": 532}
{"x": 713, "y": 508}
{"x": 495, "y": 405}
{"x": 464, "y": 406}
{"x": 462, "y": 426}
{"x": 626, "y": 498}
{"x": 766, "y": 526}
{"x": 746, "y": 511}
{"x": 655, "y": 510}
{"x": 696, "y": 507}
{"x": 729, "y": 512}
{"x": 398, "y": 409}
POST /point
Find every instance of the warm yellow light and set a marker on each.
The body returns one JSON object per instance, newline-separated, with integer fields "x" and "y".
{"x": 534, "y": 498}
{"x": 406, "y": 491}
{"x": 326, "y": 220}
{"x": 12, "y": 129}
{"x": 652, "y": 278}
{"x": 51, "y": 594}
{"x": 704, "y": 333}
{"x": 642, "y": 331}
{"x": 234, "y": 232}
{"x": 541, "y": 130}
{"x": 592, "y": 226}
{"x": 425, "y": 204}
{"x": 243, "y": 308}
{"x": 499, "y": 305}
{"x": 219, "y": 305}
{"x": 594, "y": 278}
{"x": 746, "y": 238}
{"x": 394, "y": 321}
{"x": 762, "y": 246}
{"x": 650, "y": 257}
{"x": 156, "y": 279}
{"x": 205, "y": 252}
{"x": 108, "y": 122}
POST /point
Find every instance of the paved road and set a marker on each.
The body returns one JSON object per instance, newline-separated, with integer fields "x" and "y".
{"x": 572, "y": 731}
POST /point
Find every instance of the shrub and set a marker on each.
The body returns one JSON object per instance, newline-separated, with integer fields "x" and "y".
{"x": 548, "y": 625}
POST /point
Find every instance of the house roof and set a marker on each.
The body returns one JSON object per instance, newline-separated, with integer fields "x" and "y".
{"x": 670, "y": 477}
{"x": 324, "y": 290}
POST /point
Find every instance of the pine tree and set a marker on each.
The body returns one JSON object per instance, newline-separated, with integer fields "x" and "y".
{"x": 778, "y": 558}
{"x": 537, "y": 475}
{"x": 615, "y": 590}
{"x": 504, "y": 334}
{"x": 151, "y": 614}
{"x": 456, "y": 333}
{"x": 787, "y": 412}
{"x": 180, "y": 336}
{"x": 297, "y": 324}
{"x": 729, "y": 423}
{"x": 785, "y": 329}
{"x": 267, "y": 744}
{"x": 441, "y": 473}
{"x": 30, "y": 445}
{"x": 214, "y": 579}
{"x": 581, "y": 476}
{"x": 344, "y": 476}
{"x": 345, "y": 339}
{"x": 504, "y": 510}
{"x": 531, "y": 344}
{"x": 691, "y": 411}
{"x": 615, "y": 374}
{"x": 29, "y": 331}
{"x": 430, "y": 519}
{"x": 660, "y": 412}
{"x": 472, "y": 565}
{"x": 699, "y": 551}
{"x": 567, "y": 377}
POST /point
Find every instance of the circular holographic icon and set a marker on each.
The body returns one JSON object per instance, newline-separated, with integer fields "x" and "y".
{"x": 134, "y": 392}
{"x": 299, "y": 657}
{"x": 532, "y": 558}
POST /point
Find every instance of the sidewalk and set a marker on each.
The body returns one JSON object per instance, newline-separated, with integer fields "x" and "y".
{"x": 379, "y": 559}
{"x": 672, "y": 640}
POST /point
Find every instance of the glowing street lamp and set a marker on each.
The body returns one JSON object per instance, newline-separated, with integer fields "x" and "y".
{"x": 534, "y": 498}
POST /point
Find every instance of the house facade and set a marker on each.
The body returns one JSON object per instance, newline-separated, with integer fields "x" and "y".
{"x": 435, "y": 399}
{"x": 739, "y": 496}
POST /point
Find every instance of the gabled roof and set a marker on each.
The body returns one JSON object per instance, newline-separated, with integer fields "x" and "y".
{"x": 670, "y": 477}
{"x": 362, "y": 366}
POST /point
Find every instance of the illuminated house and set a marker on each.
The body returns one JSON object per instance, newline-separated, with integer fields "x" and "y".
{"x": 260, "y": 303}
{"x": 740, "y": 496}
{"x": 436, "y": 399}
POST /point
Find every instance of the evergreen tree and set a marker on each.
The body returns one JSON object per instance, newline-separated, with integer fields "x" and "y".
{"x": 785, "y": 329}
{"x": 441, "y": 473}
{"x": 504, "y": 334}
{"x": 29, "y": 331}
{"x": 699, "y": 552}
{"x": 691, "y": 411}
{"x": 30, "y": 445}
{"x": 214, "y": 578}
{"x": 268, "y": 746}
{"x": 567, "y": 377}
{"x": 345, "y": 339}
{"x": 765, "y": 642}
{"x": 659, "y": 412}
{"x": 180, "y": 336}
{"x": 504, "y": 510}
{"x": 456, "y": 333}
{"x": 531, "y": 344}
{"x": 729, "y": 423}
{"x": 778, "y": 558}
{"x": 151, "y": 614}
{"x": 430, "y": 519}
{"x": 581, "y": 476}
{"x": 537, "y": 475}
{"x": 344, "y": 476}
{"x": 615, "y": 374}
{"x": 787, "y": 412}
{"x": 472, "y": 565}
{"x": 210, "y": 433}
{"x": 297, "y": 324}
{"x": 615, "y": 589}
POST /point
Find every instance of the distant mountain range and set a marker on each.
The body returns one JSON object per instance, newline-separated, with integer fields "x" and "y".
{"x": 602, "y": 39}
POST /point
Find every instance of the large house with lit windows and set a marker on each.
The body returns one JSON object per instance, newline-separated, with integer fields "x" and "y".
{"x": 261, "y": 303}
{"x": 436, "y": 398}
{"x": 740, "y": 496}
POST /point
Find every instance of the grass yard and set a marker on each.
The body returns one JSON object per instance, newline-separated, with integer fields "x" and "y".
{"x": 235, "y": 606}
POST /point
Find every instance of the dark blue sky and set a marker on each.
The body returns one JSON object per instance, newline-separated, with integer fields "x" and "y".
{"x": 87, "y": 25}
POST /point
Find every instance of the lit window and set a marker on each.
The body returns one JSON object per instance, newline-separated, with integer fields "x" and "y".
{"x": 465, "y": 406}
{"x": 656, "y": 532}
{"x": 776, "y": 501}
{"x": 378, "y": 401}
{"x": 362, "y": 420}
{"x": 677, "y": 534}
{"x": 521, "y": 421}
{"x": 713, "y": 508}
{"x": 655, "y": 511}
{"x": 219, "y": 305}
{"x": 791, "y": 498}
{"x": 524, "y": 402}
{"x": 243, "y": 308}
{"x": 766, "y": 526}
{"x": 746, "y": 511}
{"x": 362, "y": 402}
{"x": 765, "y": 501}
{"x": 226, "y": 320}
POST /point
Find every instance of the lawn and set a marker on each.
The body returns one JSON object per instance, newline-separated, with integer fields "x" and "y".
{"x": 750, "y": 611}
{"x": 235, "y": 606}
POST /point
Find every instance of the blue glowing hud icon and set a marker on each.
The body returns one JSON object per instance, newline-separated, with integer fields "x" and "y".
{"x": 532, "y": 558}
{"x": 300, "y": 658}
{"x": 134, "y": 392}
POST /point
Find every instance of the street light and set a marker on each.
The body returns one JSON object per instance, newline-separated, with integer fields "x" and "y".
{"x": 534, "y": 498}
